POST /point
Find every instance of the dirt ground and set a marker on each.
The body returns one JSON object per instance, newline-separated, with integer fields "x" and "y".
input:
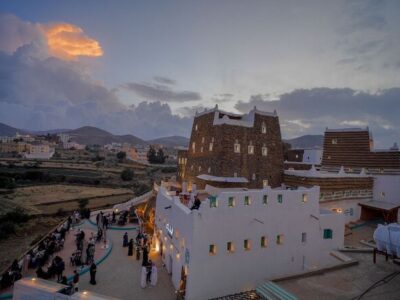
{"x": 17, "y": 244}
{"x": 49, "y": 198}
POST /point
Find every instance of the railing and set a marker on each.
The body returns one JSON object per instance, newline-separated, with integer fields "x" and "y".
{"x": 132, "y": 202}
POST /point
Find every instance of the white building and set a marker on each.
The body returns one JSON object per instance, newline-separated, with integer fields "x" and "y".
{"x": 39, "y": 151}
{"x": 239, "y": 238}
{"x": 312, "y": 156}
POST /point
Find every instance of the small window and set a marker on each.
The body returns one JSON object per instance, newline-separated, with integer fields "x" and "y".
{"x": 328, "y": 234}
{"x": 254, "y": 176}
{"x": 209, "y": 170}
{"x": 202, "y": 140}
{"x": 210, "y": 148}
{"x": 334, "y": 141}
{"x": 247, "y": 200}
{"x": 230, "y": 247}
{"x": 263, "y": 128}
{"x": 264, "y": 151}
{"x": 231, "y": 202}
{"x": 304, "y": 198}
{"x": 250, "y": 149}
{"x": 191, "y": 167}
{"x": 236, "y": 147}
{"x": 235, "y": 174}
{"x": 265, "y": 199}
{"x": 264, "y": 242}
{"x": 265, "y": 183}
{"x": 199, "y": 168}
{"x": 280, "y": 198}
{"x": 297, "y": 156}
{"x": 383, "y": 194}
{"x": 247, "y": 244}
{"x": 279, "y": 239}
{"x": 201, "y": 149}
{"x": 193, "y": 146}
{"x": 196, "y": 127}
{"x": 213, "y": 201}
{"x": 329, "y": 157}
{"x": 303, "y": 237}
{"x": 212, "y": 249}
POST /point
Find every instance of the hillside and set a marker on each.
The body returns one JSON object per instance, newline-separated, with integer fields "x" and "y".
{"x": 6, "y": 130}
{"x": 89, "y": 135}
{"x": 307, "y": 141}
{"x": 171, "y": 141}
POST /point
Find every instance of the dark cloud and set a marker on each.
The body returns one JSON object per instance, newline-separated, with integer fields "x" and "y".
{"x": 164, "y": 80}
{"x": 160, "y": 92}
{"x": 38, "y": 92}
{"x": 307, "y": 111}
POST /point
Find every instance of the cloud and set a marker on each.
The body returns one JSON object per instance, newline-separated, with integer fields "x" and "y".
{"x": 310, "y": 111}
{"x": 222, "y": 98}
{"x": 68, "y": 41}
{"x": 190, "y": 111}
{"x": 164, "y": 80}
{"x": 160, "y": 92}
{"x": 15, "y": 33}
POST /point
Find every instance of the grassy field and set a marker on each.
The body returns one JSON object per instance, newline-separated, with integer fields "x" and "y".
{"x": 48, "y": 199}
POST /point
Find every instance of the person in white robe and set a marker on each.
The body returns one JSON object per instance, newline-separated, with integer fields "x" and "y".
{"x": 143, "y": 277}
{"x": 153, "y": 278}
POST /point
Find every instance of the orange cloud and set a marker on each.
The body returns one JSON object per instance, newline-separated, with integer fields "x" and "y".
{"x": 68, "y": 41}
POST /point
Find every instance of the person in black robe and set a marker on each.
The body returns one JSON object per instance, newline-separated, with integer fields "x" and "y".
{"x": 93, "y": 270}
{"x": 130, "y": 247}
{"x": 137, "y": 253}
{"x": 125, "y": 240}
{"x": 145, "y": 257}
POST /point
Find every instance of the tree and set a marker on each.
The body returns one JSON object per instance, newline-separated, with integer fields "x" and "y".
{"x": 121, "y": 155}
{"x": 127, "y": 174}
{"x": 152, "y": 155}
{"x": 82, "y": 203}
{"x": 161, "y": 156}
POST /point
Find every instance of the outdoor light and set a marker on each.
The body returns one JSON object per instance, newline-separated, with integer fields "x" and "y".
{"x": 85, "y": 293}
{"x": 170, "y": 247}
{"x": 157, "y": 247}
{"x": 33, "y": 279}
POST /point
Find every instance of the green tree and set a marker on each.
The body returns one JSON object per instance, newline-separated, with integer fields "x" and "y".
{"x": 152, "y": 155}
{"x": 161, "y": 156}
{"x": 127, "y": 174}
{"x": 121, "y": 155}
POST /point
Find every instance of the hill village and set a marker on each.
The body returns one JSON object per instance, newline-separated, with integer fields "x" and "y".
{"x": 235, "y": 215}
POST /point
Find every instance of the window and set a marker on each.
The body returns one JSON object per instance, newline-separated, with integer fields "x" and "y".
{"x": 264, "y": 151}
{"x": 334, "y": 141}
{"x": 231, "y": 202}
{"x": 297, "y": 156}
{"x": 265, "y": 199}
{"x": 201, "y": 149}
{"x": 265, "y": 183}
{"x": 193, "y": 147}
{"x": 254, "y": 176}
{"x": 247, "y": 200}
{"x": 212, "y": 250}
{"x": 209, "y": 170}
{"x": 304, "y": 198}
{"x": 236, "y": 147}
{"x": 383, "y": 194}
{"x": 235, "y": 174}
{"x": 279, "y": 239}
{"x": 280, "y": 198}
{"x": 196, "y": 127}
{"x": 264, "y": 242}
{"x": 230, "y": 247}
{"x": 328, "y": 234}
{"x": 202, "y": 140}
{"x": 210, "y": 148}
{"x": 213, "y": 201}
{"x": 247, "y": 244}
{"x": 199, "y": 168}
{"x": 250, "y": 149}
{"x": 303, "y": 237}
{"x": 329, "y": 157}
{"x": 263, "y": 128}
{"x": 191, "y": 167}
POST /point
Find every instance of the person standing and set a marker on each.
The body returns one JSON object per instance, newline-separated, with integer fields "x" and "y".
{"x": 148, "y": 272}
{"x": 75, "y": 280}
{"x": 153, "y": 276}
{"x": 93, "y": 270}
{"x": 145, "y": 256}
{"x": 130, "y": 247}
{"x": 125, "y": 240}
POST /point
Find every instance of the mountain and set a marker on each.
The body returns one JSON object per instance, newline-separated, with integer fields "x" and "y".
{"x": 6, "y": 130}
{"x": 306, "y": 141}
{"x": 171, "y": 141}
{"x": 89, "y": 135}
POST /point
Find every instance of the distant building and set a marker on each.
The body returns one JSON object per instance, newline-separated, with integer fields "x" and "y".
{"x": 39, "y": 151}
{"x": 6, "y": 139}
{"x": 14, "y": 147}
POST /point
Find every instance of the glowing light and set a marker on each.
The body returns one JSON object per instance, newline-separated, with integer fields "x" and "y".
{"x": 178, "y": 256}
{"x": 68, "y": 41}
{"x": 33, "y": 279}
{"x": 170, "y": 247}
{"x": 85, "y": 293}
{"x": 157, "y": 247}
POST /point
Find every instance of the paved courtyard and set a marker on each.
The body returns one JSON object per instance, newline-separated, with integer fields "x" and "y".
{"x": 119, "y": 275}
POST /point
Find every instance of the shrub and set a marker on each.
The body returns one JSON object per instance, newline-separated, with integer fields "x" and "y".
{"x": 6, "y": 228}
{"x": 82, "y": 203}
{"x": 127, "y": 175}
{"x": 17, "y": 216}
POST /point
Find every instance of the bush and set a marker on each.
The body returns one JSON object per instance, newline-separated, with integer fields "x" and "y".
{"x": 17, "y": 216}
{"x": 127, "y": 175}
{"x": 142, "y": 189}
{"x": 82, "y": 203}
{"x": 6, "y": 228}
{"x": 7, "y": 182}
{"x": 121, "y": 156}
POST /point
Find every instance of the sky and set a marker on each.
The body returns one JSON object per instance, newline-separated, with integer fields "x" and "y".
{"x": 145, "y": 67}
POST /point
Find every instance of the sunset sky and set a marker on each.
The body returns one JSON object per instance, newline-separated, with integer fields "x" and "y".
{"x": 145, "y": 67}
